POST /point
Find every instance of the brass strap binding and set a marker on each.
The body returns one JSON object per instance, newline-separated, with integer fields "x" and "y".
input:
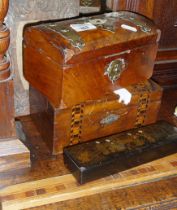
{"x": 142, "y": 104}
{"x": 76, "y": 123}
{"x": 68, "y": 33}
{"x": 143, "y": 26}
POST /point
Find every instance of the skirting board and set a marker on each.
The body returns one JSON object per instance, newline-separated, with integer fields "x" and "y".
{"x": 61, "y": 188}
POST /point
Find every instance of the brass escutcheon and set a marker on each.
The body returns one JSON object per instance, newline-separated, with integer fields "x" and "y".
{"x": 109, "y": 119}
{"x": 114, "y": 69}
{"x": 87, "y": 3}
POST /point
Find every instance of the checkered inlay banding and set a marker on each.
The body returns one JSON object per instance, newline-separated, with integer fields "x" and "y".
{"x": 76, "y": 123}
{"x": 142, "y": 104}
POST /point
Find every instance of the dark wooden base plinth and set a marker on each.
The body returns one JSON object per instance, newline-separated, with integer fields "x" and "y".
{"x": 116, "y": 153}
{"x": 13, "y": 156}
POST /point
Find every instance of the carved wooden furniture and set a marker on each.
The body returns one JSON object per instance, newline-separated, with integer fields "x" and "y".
{"x": 22, "y": 12}
{"x": 13, "y": 154}
{"x": 163, "y": 12}
{"x": 80, "y": 75}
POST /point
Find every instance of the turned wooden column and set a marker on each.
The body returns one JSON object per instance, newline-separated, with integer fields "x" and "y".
{"x": 14, "y": 155}
{"x": 7, "y": 126}
{"x": 4, "y": 42}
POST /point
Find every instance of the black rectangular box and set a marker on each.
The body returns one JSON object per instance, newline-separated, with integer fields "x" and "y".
{"x": 105, "y": 156}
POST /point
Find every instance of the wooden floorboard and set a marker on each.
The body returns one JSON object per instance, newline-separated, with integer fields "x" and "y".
{"x": 65, "y": 187}
{"x": 160, "y": 195}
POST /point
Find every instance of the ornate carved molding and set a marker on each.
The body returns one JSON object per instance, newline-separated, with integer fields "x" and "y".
{"x": 22, "y": 12}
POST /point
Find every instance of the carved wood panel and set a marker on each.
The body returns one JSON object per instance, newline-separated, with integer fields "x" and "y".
{"x": 22, "y": 12}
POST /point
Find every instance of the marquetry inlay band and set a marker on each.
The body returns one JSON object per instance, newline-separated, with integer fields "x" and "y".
{"x": 142, "y": 104}
{"x": 76, "y": 123}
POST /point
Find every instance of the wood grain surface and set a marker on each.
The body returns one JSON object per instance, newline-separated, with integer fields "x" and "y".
{"x": 154, "y": 10}
{"x": 158, "y": 194}
{"x": 13, "y": 156}
{"x": 66, "y": 75}
{"x": 73, "y": 73}
{"x": 7, "y": 126}
{"x": 85, "y": 124}
{"x": 7, "y": 121}
{"x": 65, "y": 187}
{"x": 163, "y": 12}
